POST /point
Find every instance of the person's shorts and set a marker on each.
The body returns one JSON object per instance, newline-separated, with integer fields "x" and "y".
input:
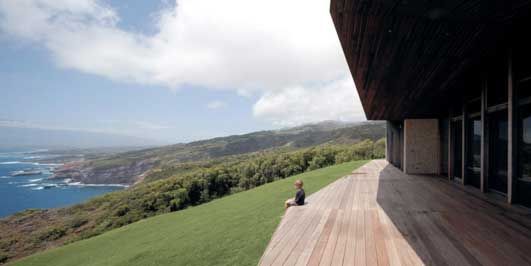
{"x": 292, "y": 203}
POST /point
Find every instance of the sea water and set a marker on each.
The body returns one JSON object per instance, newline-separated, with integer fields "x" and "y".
{"x": 18, "y": 193}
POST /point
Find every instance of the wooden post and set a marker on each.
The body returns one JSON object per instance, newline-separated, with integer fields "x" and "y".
{"x": 512, "y": 142}
{"x": 405, "y": 146}
{"x": 388, "y": 142}
{"x": 450, "y": 148}
{"x": 439, "y": 153}
{"x": 401, "y": 145}
{"x": 464, "y": 145}
{"x": 484, "y": 142}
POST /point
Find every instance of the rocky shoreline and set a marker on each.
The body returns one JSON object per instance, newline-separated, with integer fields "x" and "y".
{"x": 82, "y": 172}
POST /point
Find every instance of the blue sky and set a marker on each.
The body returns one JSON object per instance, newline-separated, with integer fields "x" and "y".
{"x": 170, "y": 72}
{"x": 34, "y": 91}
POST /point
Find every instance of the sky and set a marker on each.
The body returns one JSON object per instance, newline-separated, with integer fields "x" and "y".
{"x": 171, "y": 71}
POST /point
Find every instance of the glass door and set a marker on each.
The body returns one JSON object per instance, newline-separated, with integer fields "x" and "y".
{"x": 444, "y": 146}
{"x": 523, "y": 184}
{"x": 457, "y": 148}
{"x": 473, "y": 163}
{"x": 498, "y": 129}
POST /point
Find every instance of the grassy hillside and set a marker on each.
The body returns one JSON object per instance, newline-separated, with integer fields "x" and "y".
{"x": 233, "y": 230}
{"x": 31, "y": 231}
{"x": 129, "y": 167}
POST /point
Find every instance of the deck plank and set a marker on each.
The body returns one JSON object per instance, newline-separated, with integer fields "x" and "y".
{"x": 350, "y": 246}
{"x": 310, "y": 236}
{"x": 381, "y": 216}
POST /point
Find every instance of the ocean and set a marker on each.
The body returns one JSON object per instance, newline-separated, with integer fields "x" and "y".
{"x": 18, "y": 193}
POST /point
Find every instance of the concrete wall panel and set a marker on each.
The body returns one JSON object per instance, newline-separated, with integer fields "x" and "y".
{"x": 421, "y": 146}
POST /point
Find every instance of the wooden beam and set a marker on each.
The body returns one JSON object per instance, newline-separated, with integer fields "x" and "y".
{"x": 512, "y": 141}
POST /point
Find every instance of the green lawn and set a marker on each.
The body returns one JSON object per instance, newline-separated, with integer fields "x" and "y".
{"x": 233, "y": 230}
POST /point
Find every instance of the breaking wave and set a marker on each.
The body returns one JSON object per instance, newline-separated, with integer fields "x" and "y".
{"x": 79, "y": 184}
{"x": 28, "y": 185}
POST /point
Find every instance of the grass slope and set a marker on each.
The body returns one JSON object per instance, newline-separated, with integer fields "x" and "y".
{"x": 233, "y": 230}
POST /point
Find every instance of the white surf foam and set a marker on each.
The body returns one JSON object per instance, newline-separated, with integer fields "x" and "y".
{"x": 48, "y": 164}
{"x": 79, "y": 184}
{"x": 28, "y": 185}
{"x": 35, "y": 180}
{"x": 35, "y": 151}
{"x": 14, "y": 162}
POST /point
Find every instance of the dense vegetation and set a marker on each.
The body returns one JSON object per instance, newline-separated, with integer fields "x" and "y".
{"x": 33, "y": 230}
{"x": 232, "y": 231}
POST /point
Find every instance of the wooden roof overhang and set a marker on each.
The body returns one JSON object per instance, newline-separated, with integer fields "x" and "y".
{"x": 406, "y": 56}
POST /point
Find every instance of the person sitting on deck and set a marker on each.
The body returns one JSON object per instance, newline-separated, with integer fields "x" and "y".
{"x": 299, "y": 196}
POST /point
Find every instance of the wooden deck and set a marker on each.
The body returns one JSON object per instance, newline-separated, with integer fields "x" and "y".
{"x": 380, "y": 216}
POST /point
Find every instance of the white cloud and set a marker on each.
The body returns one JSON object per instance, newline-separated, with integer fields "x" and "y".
{"x": 249, "y": 46}
{"x": 336, "y": 100}
{"x": 214, "y": 105}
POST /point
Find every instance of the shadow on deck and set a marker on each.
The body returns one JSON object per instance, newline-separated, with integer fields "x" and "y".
{"x": 381, "y": 216}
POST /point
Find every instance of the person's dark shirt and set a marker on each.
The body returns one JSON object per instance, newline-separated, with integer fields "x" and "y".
{"x": 299, "y": 197}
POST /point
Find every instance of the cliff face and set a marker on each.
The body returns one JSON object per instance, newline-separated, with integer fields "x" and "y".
{"x": 126, "y": 174}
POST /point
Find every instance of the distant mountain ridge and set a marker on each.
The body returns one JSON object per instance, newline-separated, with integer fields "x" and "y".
{"x": 327, "y": 125}
{"x": 13, "y": 137}
{"x": 129, "y": 167}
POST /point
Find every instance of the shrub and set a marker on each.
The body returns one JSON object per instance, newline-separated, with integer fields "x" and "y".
{"x": 379, "y": 148}
{"x": 51, "y": 233}
{"x": 77, "y": 222}
{"x": 5, "y": 244}
{"x": 121, "y": 210}
{"x": 317, "y": 162}
{"x": 3, "y": 257}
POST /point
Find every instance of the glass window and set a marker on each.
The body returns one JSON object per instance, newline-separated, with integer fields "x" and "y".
{"x": 474, "y": 151}
{"x": 523, "y": 184}
{"x": 498, "y": 151}
{"x": 457, "y": 146}
{"x": 444, "y": 145}
{"x": 525, "y": 142}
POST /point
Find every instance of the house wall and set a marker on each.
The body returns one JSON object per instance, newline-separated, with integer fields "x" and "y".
{"x": 421, "y": 146}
